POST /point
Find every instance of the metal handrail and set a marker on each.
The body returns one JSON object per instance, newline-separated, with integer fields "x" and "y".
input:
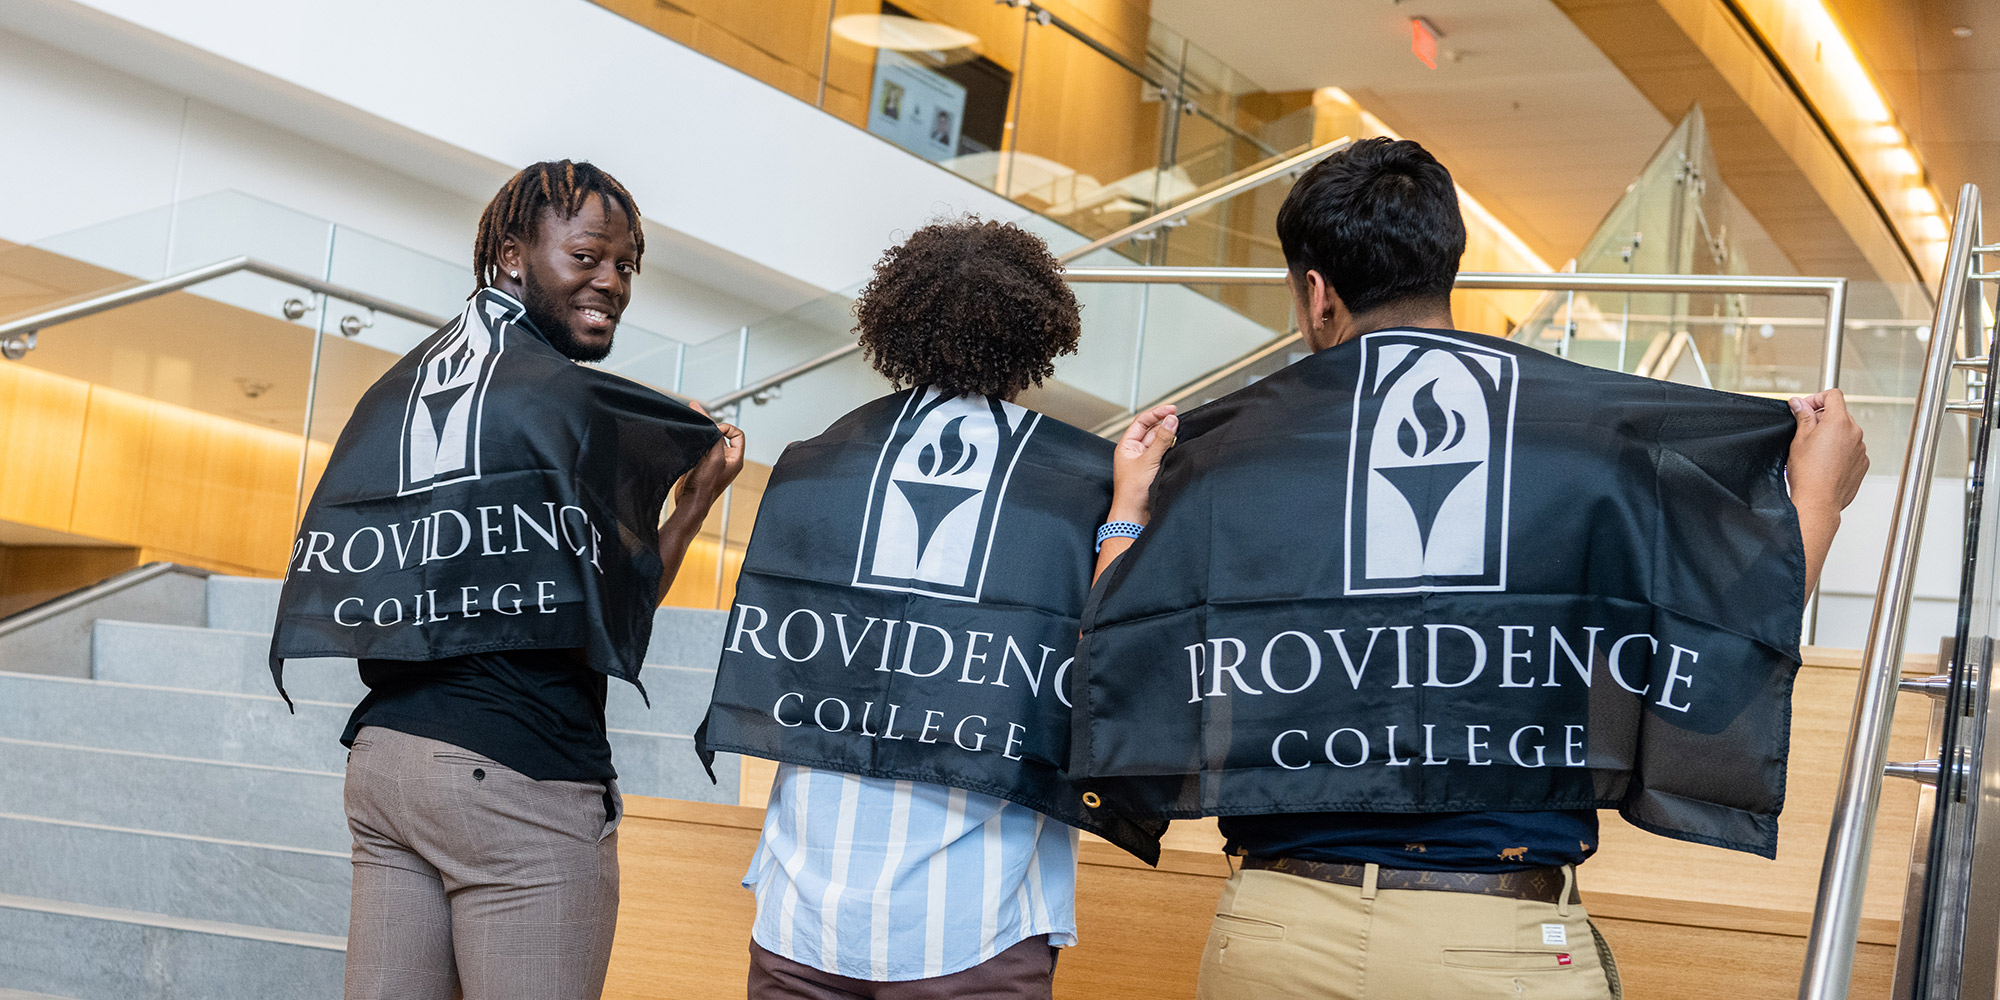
{"x": 1224, "y": 192}
{"x": 1164, "y": 217}
{"x": 174, "y": 283}
{"x": 103, "y": 588}
{"x": 1844, "y": 874}
{"x": 1834, "y": 290}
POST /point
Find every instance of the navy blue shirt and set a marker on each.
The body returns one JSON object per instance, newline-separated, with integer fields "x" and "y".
{"x": 1459, "y": 841}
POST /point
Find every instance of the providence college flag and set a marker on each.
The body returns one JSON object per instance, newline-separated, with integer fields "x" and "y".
{"x": 1428, "y": 570}
{"x": 489, "y": 494}
{"x": 908, "y": 605}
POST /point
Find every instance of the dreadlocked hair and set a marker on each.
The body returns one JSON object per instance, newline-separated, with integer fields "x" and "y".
{"x": 560, "y": 185}
{"x": 968, "y": 306}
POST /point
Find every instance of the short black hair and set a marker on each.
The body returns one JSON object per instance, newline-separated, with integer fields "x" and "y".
{"x": 968, "y": 306}
{"x": 1379, "y": 220}
{"x": 560, "y": 185}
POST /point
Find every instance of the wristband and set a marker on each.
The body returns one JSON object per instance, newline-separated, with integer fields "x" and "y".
{"x": 1117, "y": 529}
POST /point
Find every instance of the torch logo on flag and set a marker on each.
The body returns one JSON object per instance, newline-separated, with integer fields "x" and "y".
{"x": 937, "y": 493}
{"x": 1430, "y": 461}
{"x": 441, "y": 421}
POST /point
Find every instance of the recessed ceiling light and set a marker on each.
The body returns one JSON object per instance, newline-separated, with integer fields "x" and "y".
{"x": 1962, "y": 31}
{"x": 901, "y": 34}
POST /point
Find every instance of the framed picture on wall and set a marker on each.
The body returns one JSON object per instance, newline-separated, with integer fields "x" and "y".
{"x": 939, "y": 105}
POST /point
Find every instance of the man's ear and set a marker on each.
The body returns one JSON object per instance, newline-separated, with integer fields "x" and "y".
{"x": 1322, "y": 299}
{"x": 1329, "y": 313}
{"x": 511, "y": 254}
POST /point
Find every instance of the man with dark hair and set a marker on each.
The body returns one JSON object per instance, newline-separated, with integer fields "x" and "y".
{"x": 1437, "y": 873}
{"x": 900, "y": 643}
{"x": 487, "y": 542}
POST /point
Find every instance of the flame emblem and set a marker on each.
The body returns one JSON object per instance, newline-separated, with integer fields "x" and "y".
{"x": 951, "y": 456}
{"x": 452, "y": 366}
{"x": 1432, "y": 445}
{"x": 1428, "y": 433}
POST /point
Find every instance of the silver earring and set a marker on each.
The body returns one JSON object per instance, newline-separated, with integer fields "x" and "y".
{"x": 514, "y": 274}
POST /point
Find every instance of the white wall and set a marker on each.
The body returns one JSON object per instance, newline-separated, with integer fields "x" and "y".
{"x": 95, "y": 144}
{"x": 1854, "y": 567}
{"x": 709, "y": 152}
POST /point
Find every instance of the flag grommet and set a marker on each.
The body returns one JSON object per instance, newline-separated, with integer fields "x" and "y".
{"x": 1091, "y": 800}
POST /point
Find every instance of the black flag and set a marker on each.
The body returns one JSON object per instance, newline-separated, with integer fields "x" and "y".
{"x": 908, "y": 605}
{"x": 489, "y": 494}
{"x": 1428, "y": 570}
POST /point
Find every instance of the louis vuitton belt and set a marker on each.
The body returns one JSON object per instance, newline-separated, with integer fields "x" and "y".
{"x": 1541, "y": 885}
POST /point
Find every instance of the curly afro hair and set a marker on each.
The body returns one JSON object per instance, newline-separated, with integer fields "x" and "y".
{"x": 968, "y": 306}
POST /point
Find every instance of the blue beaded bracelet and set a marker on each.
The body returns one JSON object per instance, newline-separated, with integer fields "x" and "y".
{"x": 1118, "y": 529}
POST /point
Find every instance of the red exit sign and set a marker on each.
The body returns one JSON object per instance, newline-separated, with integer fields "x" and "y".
{"x": 1424, "y": 41}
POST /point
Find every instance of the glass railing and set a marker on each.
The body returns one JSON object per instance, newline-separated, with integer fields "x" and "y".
{"x": 1092, "y": 118}
{"x": 196, "y": 421}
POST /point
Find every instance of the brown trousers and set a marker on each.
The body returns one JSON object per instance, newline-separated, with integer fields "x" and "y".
{"x": 1025, "y": 971}
{"x": 472, "y": 880}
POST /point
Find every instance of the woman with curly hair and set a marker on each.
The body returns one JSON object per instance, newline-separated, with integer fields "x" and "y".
{"x": 900, "y": 644}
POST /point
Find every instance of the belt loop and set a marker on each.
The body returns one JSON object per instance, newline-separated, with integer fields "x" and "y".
{"x": 1569, "y": 888}
{"x": 1368, "y": 873}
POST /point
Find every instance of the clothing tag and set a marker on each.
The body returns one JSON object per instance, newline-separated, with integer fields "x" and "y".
{"x": 1555, "y": 934}
{"x": 1562, "y": 959}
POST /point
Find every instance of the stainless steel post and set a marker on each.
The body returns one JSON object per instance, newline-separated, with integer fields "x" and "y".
{"x": 1836, "y": 332}
{"x": 1844, "y": 875}
{"x": 312, "y": 388}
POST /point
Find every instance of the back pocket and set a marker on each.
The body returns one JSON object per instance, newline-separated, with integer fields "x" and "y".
{"x": 1245, "y": 927}
{"x": 1498, "y": 960}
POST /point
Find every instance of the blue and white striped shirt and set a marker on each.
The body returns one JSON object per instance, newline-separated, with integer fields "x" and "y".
{"x": 893, "y": 880}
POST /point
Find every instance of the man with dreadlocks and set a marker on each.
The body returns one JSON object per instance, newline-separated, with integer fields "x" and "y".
{"x": 487, "y": 543}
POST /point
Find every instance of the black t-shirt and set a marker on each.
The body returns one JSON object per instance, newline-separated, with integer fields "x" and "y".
{"x": 538, "y": 711}
{"x": 1460, "y": 841}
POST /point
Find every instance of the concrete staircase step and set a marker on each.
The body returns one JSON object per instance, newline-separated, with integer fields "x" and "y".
{"x": 687, "y": 637}
{"x": 666, "y": 767}
{"x": 290, "y": 807}
{"x": 683, "y": 637}
{"x": 101, "y": 953}
{"x": 229, "y": 728}
{"x": 211, "y": 725}
{"x": 243, "y": 603}
{"x": 217, "y": 660}
{"x": 679, "y": 697}
{"x": 201, "y": 878}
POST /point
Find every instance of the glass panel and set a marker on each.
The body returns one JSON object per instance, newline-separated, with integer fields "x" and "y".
{"x": 179, "y": 428}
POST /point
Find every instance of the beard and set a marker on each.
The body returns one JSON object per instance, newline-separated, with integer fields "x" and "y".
{"x": 551, "y": 319}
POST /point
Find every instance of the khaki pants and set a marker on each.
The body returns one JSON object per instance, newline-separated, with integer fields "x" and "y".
{"x": 1282, "y": 936}
{"x": 474, "y": 880}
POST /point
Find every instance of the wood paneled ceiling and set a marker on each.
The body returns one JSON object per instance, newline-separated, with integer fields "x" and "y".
{"x": 1941, "y": 84}
{"x": 1547, "y": 109}
{"x": 1529, "y": 116}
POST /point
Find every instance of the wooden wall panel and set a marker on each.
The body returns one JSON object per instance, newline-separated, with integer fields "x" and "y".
{"x": 1683, "y": 920}
{"x": 1634, "y": 863}
{"x": 684, "y": 922}
{"x": 683, "y": 915}
{"x": 1667, "y": 960}
{"x": 176, "y": 482}
{"x": 114, "y": 443}
{"x": 39, "y": 417}
{"x": 783, "y": 43}
{"x": 31, "y": 574}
